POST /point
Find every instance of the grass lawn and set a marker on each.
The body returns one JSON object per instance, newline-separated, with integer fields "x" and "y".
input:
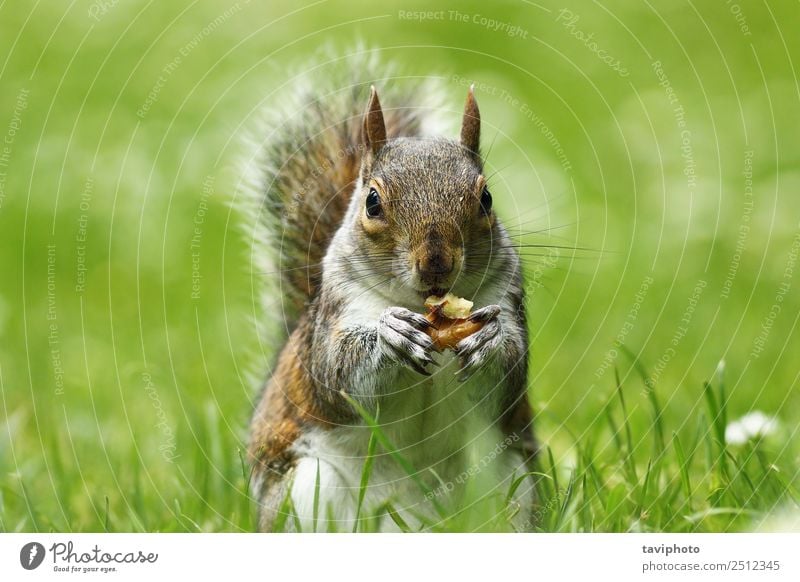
{"x": 664, "y": 139}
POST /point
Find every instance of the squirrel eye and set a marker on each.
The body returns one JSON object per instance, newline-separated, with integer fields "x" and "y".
{"x": 373, "y": 203}
{"x": 486, "y": 202}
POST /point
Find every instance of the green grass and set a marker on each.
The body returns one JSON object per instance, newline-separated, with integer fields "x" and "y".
{"x": 702, "y": 485}
{"x": 124, "y": 405}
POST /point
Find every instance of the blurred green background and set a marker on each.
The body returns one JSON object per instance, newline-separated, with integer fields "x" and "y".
{"x": 665, "y": 138}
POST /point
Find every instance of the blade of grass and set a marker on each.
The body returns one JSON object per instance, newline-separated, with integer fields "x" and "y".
{"x": 553, "y": 470}
{"x": 683, "y": 466}
{"x": 396, "y": 518}
{"x": 366, "y": 471}
{"x": 650, "y": 393}
{"x": 626, "y": 424}
{"x": 316, "y": 499}
{"x": 567, "y": 500}
{"x": 717, "y": 427}
{"x": 284, "y": 510}
{"x": 518, "y": 481}
{"x": 645, "y": 486}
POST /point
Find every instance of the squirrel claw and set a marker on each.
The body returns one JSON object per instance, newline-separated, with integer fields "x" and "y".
{"x": 417, "y": 320}
{"x": 420, "y": 370}
{"x": 485, "y": 313}
{"x": 402, "y": 339}
{"x": 475, "y": 350}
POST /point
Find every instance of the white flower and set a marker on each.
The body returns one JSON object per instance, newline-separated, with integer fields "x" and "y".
{"x": 752, "y": 425}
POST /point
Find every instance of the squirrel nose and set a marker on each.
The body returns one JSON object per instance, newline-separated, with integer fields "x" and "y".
{"x": 434, "y": 267}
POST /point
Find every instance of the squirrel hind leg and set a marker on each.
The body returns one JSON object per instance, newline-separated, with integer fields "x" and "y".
{"x": 309, "y": 497}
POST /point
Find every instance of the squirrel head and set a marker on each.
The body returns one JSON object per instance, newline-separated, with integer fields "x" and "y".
{"x": 422, "y": 208}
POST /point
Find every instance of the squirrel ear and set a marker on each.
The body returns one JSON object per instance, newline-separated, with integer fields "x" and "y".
{"x": 374, "y": 126}
{"x": 471, "y": 124}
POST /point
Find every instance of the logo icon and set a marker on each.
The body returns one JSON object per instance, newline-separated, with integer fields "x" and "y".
{"x": 31, "y": 555}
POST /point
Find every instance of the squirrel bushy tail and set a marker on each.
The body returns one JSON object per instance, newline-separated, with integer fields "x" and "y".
{"x": 308, "y": 156}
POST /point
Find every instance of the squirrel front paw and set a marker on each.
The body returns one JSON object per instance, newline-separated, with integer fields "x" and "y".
{"x": 402, "y": 338}
{"x": 475, "y": 350}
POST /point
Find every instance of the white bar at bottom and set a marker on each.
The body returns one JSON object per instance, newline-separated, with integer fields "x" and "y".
{"x": 389, "y": 557}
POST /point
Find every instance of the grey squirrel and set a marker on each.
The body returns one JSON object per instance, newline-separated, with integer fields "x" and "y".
{"x": 369, "y": 215}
